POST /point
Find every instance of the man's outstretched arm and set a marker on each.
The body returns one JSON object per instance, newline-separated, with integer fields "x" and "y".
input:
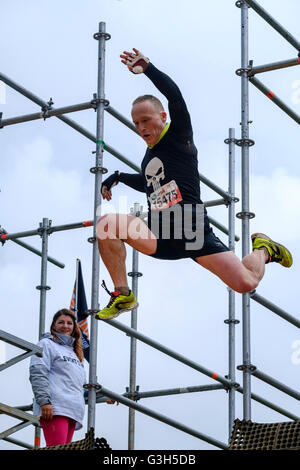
{"x": 180, "y": 117}
{"x": 134, "y": 181}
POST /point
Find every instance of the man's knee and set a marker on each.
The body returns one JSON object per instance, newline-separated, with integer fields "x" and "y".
{"x": 107, "y": 227}
{"x": 245, "y": 285}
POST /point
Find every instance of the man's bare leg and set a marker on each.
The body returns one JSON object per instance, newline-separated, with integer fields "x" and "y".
{"x": 113, "y": 254}
{"x": 112, "y": 231}
{"x": 242, "y": 276}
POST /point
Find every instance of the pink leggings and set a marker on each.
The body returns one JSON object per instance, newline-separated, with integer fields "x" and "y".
{"x": 59, "y": 430}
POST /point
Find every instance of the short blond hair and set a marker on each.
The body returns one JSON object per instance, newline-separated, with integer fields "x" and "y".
{"x": 155, "y": 101}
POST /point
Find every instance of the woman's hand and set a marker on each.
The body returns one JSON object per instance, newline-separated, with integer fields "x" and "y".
{"x": 47, "y": 412}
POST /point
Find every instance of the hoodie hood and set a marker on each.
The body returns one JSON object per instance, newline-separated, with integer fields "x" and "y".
{"x": 62, "y": 339}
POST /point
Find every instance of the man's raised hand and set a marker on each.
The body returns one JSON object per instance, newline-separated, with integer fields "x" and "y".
{"x": 135, "y": 61}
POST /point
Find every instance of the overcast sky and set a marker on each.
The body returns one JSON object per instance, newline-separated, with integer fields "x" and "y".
{"x": 48, "y": 47}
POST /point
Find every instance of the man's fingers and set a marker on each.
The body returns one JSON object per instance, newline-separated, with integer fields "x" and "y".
{"x": 107, "y": 195}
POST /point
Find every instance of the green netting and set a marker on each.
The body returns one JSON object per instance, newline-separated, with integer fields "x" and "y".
{"x": 247, "y": 435}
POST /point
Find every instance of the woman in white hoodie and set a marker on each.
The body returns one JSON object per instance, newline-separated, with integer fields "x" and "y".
{"x": 57, "y": 380}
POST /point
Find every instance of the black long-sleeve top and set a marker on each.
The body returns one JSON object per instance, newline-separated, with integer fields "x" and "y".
{"x": 170, "y": 168}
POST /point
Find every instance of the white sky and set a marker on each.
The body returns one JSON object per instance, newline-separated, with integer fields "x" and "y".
{"x": 48, "y": 47}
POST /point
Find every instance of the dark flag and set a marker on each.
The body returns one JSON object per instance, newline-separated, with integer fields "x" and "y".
{"x": 79, "y": 306}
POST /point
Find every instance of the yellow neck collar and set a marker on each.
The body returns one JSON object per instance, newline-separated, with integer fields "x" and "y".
{"x": 164, "y": 131}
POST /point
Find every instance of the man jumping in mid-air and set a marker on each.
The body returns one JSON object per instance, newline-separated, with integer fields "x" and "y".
{"x": 170, "y": 180}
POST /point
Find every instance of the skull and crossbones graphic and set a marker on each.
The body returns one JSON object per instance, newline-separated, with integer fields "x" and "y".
{"x": 154, "y": 173}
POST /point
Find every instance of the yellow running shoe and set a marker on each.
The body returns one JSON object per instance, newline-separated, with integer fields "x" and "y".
{"x": 277, "y": 253}
{"x": 118, "y": 304}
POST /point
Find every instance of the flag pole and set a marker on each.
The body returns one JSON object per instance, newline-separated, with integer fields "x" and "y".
{"x": 76, "y": 289}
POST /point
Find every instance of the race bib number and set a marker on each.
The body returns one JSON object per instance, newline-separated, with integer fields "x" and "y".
{"x": 165, "y": 196}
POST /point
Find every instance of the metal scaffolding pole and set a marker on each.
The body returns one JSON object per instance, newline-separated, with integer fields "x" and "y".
{"x": 57, "y": 228}
{"x": 44, "y": 227}
{"x": 46, "y": 113}
{"x": 169, "y": 352}
{"x": 121, "y": 118}
{"x": 231, "y": 321}
{"x": 170, "y": 391}
{"x": 274, "y": 308}
{"x": 135, "y": 274}
{"x": 245, "y": 214}
{"x": 162, "y": 418}
{"x": 274, "y": 23}
{"x": 274, "y": 66}
{"x": 101, "y": 37}
{"x": 33, "y": 250}
{"x": 43, "y": 286}
{"x": 275, "y": 383}
{"x": 270, "y": 94}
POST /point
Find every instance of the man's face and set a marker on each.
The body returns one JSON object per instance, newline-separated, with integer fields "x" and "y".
{"x": 149, "y": 121}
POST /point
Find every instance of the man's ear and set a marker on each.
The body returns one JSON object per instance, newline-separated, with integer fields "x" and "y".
{"x": 163, "y": 116}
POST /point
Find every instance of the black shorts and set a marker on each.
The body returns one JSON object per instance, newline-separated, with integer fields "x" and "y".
{"x": 173, "y": 249}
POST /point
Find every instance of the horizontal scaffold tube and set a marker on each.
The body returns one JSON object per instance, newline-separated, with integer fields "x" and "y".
{"x": 169, "y": 352}
{"x": 274, "y": 66}
{"x": 271, "y": 405}
{"x": 34, "y": 250}
{"x": 167, "y": 392}
{"x": 121, "y": 118}
{"x": 274, "y": 308}
{"x": 46, "y": 114}
{"x": 58, "y": 228}
{"x": 274, "y": 23}
{"x": 154, "y": 414}
{"x": 280, "y": 386}
{"x": 270, "y": 94}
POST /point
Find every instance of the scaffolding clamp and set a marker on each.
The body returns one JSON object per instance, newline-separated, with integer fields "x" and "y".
{"x": 46, "y": 108}
{"x": 231, "y": 385}
{"x": 135, "y": 274}
{"x": 240, "y": 3}
{"x": 1, "y": 114}
{"x": 43, "y": 287}
{"x": 96, "y": 101}
{"x": 91, "y": 312}
{"x": 230, "y": 199}
{"x": 91, "y": 239}
{"x": 240, "y": 71}
{"x": 245, "y": 214}
{"x": 106, "y": 36}
{"x": 90, "y": 386}
{"x": 241, "y": 142}
{"x": 135, "y": 396}
{"x": 229, "y": 321}
{"x": 98, "y": 169}
{"x": 247, "y": 368}
{"x": 229, "y": 141}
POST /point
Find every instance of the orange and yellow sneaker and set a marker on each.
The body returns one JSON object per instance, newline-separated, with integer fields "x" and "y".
{"x": 118, "y": 304}
{"x": 277, "y": 253}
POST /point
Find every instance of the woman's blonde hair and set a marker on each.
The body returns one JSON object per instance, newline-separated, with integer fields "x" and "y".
{"x": 76, "y": 333}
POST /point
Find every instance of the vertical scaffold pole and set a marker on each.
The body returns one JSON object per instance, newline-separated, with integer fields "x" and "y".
{"x": 245, "y": 214}
{"x": 133, "y": 342}
{"x": 44, "y": 226}
{"x": 231, "y": 294}
{"x": 101, "y": 36}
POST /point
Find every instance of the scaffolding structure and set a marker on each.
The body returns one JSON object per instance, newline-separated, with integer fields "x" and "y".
{"x": 96, "y": 392}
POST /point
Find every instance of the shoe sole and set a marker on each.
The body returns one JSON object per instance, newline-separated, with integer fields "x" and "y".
{"x": 263, "y": 235}
{"x": 129, "y": 309}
